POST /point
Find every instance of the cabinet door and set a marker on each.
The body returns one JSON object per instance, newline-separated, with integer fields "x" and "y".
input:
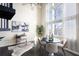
{"x": 4, "y": 51}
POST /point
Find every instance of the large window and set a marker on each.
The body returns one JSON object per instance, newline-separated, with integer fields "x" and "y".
{"x": 55, "y": 19}
{"x": 61, "y": 21}
{"x": 58, "y": 20}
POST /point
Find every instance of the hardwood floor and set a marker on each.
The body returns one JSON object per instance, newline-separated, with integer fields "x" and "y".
{"x": 5, "y": 52}
{"x": 34, "y": 52}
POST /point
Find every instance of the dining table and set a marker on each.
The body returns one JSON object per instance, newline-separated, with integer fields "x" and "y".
{"x": 51, "y": 46}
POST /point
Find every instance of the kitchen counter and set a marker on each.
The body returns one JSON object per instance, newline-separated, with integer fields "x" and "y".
{"x": 18, "y": 50}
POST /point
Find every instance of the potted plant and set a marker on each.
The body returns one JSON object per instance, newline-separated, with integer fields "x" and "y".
{"x": 40, "y": 31}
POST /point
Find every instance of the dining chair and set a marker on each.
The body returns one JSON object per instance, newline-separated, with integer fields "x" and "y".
{"x": 42, "y": 46}
{"x": 63, "y": 45}
{"x": 51, "y": 48}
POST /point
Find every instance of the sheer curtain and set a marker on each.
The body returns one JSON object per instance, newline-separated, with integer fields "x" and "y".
{"x": 63, "y": 22}
{"x": 70, "y": 24}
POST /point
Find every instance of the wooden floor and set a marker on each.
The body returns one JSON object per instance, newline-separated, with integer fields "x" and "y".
{"x": 39, "y": 52}
{"x": 34, "y": 52}
{"x": 42, "y": 52}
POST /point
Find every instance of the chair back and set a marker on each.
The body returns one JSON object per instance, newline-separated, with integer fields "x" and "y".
{"x": 63, "y": 44}
{"x": 51, "y": 48}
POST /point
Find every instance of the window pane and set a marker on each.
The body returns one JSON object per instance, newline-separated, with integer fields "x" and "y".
{"x": 58, "y": 29}
{"x": 49, "y": 29}
{"x": 70, "y": 29}
{"x": 58, "y": 11}
{"x": 50, "y": 15}
{"x": 70, "y": 9}
{"x": 49, "y": 12}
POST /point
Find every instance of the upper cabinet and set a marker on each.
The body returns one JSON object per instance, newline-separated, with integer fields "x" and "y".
{"x": 6, "y": 11}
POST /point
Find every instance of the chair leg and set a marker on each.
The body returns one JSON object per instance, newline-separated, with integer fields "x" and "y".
{"x": 63, "y": 51}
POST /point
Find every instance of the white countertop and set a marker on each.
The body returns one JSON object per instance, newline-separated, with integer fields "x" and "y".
{"x": 22, "y": 48}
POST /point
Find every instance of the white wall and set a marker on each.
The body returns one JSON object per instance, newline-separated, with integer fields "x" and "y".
{"x": 24, "y": 13}
{"x": 77, "y": 23}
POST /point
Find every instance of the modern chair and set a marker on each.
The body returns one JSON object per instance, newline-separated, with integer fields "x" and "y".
{"x": 42, "y": 46}
{"x": 51, "y": 48}
{"x": 63, "y": 45}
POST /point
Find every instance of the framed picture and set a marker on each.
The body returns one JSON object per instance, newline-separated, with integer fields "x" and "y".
{"x": 19, "y": 26}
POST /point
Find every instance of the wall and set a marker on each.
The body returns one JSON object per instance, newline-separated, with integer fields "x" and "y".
{"x": 77, "y": 23}
{"x": 27, "y": 14}
{"x": 41, "y": 12}
{"x": 24, "y": 13}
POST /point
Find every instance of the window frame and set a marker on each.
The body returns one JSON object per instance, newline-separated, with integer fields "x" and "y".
{"x": 52, "y": 22}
